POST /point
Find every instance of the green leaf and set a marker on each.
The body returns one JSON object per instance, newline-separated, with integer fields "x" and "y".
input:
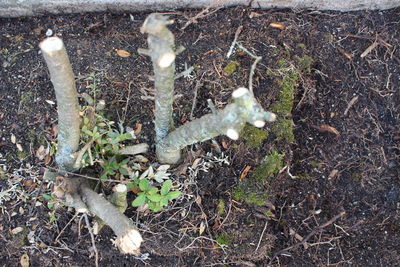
{"x": 174, "y": 194}
{"x": 144, "y": 184}
{"x": 141, "y": 199}
{"x": 152, "y": 190}
{"x": 123, "y": 171}
{"x": 112, "y": 135}
{"x": 85, "y": 120}
{"x": 153, "y": 206}
{"x": 164, "y": 201}
{"x": 154, "y": 197}
{"x": 166, "y": 187}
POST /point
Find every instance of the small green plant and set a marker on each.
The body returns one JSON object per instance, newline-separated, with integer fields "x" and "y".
{"x": 101, "y": 140}
{"x": 153, "y": 197}
{"x": 224, "y": 239}
{"x": 51, "y": 204}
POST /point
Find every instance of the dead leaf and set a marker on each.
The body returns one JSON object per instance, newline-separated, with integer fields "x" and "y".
{"x": 13, "y": 139}
{"x": 202, "y": 228}
{"x": 198, "y": 200}
{"x": 122, "y": 53}
{"x": 38, "y": 31}
{"x": 19, "y": 147}
{"x": 346, "y": 54}
{"x": 333, "y": 174}
{"x": 325, "y": 128}
{"x": 17, "y": 230}
{"x": 278, "y": 25}
{"x": 138, "y": 128}
{"x": 245, "y": 172}
{"x": 41, "y": 152}
{"x": 24, "y": 260}
{"x": 47, "y": 159}
{"x": 254, "y": 15}
{"x": 224, "y": 144}
{"x": 54, "y": 130}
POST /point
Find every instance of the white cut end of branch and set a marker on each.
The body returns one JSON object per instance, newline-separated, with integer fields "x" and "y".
{"x": 166, "y": 60}
{"x": 52, "y": 44}
{"x": 232, "y": 133}
{"x": 240, "y": 92}
{"x": 270, "y": 116}
{"x": 130, "y": 242}
{"x": 120, "y": 188}
{"x": 259, "y": 124}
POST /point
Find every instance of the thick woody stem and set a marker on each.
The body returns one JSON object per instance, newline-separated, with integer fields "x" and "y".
{"x": 63, "y": 80}
{"x": 128, "y": 237}
{"x": 228, "y": 121}
{"x": 161, "y": 50}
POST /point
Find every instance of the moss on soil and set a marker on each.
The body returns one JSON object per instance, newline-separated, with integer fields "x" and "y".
{"x": 271, "y": 165}
{"x": 231, "y": 67}
{"x": 224, "y": 238}
{"x": 252, "y": 190}
{"x": 254, "y": 136}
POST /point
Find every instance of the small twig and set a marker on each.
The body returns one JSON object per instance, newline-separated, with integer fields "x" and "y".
{"x": 127, "y": 101}
{"x": 262, "y": 235}
{"x": 351, "y": 103}
{"x": 96, "y": 253}
{"x": 65, "y": 227}
{"x": 311, "y": 234}
{"x": 205, "y": 12}
{"x": 196, "y": 88}
{"x": 227, "y": 215}
{"x": 369, "y": 49}
{"x": 238, "y": 31}
{"x": 253, "y": 66}
{"x": 87, "y": 177}
{"x": 185, "y": 73}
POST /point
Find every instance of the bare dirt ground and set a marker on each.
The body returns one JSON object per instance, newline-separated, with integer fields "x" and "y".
{"x": 334, "y": 202}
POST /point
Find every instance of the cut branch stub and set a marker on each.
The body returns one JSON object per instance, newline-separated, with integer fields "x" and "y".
{"x": 161, "y": 50}
{"x": 63, "y": 80}
{"x": 128, "y": 237}
{"x": 228, "y": 121}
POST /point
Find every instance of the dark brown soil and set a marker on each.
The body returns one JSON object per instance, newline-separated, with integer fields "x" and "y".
{"x": 355, "y": 171}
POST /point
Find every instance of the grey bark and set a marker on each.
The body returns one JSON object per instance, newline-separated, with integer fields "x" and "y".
{"x": 228, "y": 121}
{"x": 161, "y": 50}
{"x": 63, "y": 80}
{"x": 17, "y": 8}
{"x": 128, "y": 238}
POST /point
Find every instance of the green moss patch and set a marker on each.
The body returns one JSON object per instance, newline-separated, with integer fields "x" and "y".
{"x": 254, "y": 136}
{"x": 248, "y": 192}
{"x": 231, "y": 67}
{"x": 271, "y": 165}
{"x": 283, "y": 127}
{"x": 283, "y": 130}
{"x": 224, "y": 239}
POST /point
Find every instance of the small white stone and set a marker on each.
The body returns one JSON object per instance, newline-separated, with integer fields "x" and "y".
{"x": 49, "y": 32}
